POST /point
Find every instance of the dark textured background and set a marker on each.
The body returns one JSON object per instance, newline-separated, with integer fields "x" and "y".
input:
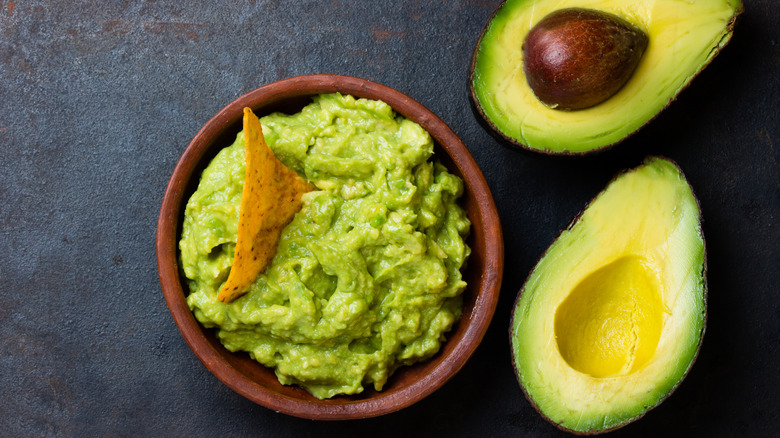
{"x": 99, "y": 98}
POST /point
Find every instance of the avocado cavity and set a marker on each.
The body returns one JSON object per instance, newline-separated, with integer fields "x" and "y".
{"x": 610, "y": 323}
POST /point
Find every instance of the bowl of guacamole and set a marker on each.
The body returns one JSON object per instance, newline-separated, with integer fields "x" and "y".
{"x": 384, "y": 282}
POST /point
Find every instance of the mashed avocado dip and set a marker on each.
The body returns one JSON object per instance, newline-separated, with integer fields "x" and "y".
{"x": 367, "y": 275}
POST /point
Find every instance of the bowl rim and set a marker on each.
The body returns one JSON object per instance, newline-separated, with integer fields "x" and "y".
{"x": 193, "y": 333}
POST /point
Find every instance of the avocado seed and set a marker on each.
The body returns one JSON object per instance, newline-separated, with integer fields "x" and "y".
{"x": 577, "y": 58}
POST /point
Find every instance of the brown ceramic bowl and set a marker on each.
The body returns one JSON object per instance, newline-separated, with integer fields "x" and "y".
{"x": 408, "y": 384}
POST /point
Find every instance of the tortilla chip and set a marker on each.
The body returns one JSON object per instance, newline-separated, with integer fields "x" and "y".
{"x": 270, "y": 198}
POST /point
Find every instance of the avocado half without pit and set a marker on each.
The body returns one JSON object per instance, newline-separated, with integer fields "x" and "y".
{"x": 577, "y": 76}
{"x": 611, "y": 318}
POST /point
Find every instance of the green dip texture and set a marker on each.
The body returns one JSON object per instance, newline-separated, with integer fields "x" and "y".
{"x": 367, "y": 275}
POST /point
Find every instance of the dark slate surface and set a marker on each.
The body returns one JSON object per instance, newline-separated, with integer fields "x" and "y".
{"x": 99, "y": 98}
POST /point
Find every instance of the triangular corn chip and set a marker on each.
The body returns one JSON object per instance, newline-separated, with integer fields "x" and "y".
{"x": 271, "y": 197}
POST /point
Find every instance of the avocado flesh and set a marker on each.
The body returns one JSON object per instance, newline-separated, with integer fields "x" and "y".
{"x": 683, "y": 37}
{"x": 611, "y": 318}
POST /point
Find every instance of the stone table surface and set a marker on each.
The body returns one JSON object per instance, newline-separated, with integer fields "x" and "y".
{"x": 98, "y": 99}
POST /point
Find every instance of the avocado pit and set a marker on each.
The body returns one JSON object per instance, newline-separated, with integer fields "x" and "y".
{"x": 576, "y": 58}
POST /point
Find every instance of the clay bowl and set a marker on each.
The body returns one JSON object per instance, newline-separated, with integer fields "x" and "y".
{"x": 258, "y": 383}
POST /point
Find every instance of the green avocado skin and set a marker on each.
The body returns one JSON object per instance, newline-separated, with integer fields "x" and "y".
{"x": 367, "y": 275}
{"x": 651, "y": 214}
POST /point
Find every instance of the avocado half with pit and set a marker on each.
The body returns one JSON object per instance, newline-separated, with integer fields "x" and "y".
{"x": 611, "y": 318}
{"x": 680, "y": 38}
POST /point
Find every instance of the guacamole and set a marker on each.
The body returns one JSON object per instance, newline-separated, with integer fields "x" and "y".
{"x": 366, "y": 277}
